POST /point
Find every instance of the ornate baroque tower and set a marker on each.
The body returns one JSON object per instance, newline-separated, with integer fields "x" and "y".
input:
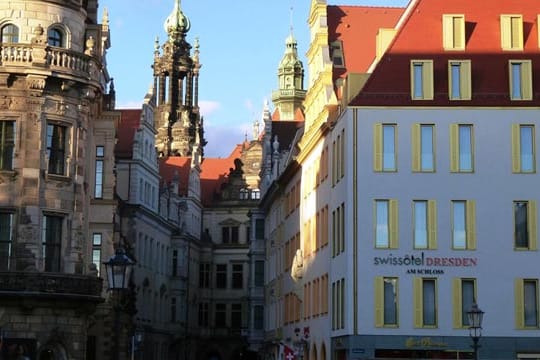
{"x": 291, "y": 94}
{"x": 176, "y": 85}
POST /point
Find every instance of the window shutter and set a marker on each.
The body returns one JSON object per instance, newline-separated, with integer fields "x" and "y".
{"x": 465, "y": 86}
{"x": 377, "y": 147}
{"x": 471, "y": 225}
{"x": 526, "y": 80}
{"x": 394, "y": 227}
{"x": 427, "y": 80}
{"x": 415, "y": 135}
{"x": 456, "y": 303}
{"x": 532, "y": 225}
{"x": 516, "y": 146}
{"x": 418, "y": 309}
{"x": 432, "y": 224}
{"x": 518, "y": 303}
{"x": 506, "y": 32}
{"x": 448, "y": 32}
{"x": 454, "y": 148}
{"x": 379, "y": 301}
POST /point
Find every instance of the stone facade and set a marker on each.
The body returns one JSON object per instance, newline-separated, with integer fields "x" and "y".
{"x": 56, "y": 119}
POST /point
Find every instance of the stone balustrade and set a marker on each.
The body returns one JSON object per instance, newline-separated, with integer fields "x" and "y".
{"x": 18, "y": 283}
{"x": 54, "y": 58}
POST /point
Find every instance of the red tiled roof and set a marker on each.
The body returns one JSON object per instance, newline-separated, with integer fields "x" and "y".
{"x": 129, "y": 123}
{"x": 357, "y": 27}
{"x": 390, "y": 83}
{"x": 214, "y": 172}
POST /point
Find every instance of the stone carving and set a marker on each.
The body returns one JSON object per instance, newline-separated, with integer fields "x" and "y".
{"x": 90, "y": 46}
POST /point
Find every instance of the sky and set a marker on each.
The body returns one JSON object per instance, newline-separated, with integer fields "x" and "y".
{"x": 241, "y": 45}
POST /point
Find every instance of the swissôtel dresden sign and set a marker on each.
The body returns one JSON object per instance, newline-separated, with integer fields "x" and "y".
{"x": 425, "y": 265}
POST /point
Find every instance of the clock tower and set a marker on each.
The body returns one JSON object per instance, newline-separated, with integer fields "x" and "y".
{"x": 289, "y": 98}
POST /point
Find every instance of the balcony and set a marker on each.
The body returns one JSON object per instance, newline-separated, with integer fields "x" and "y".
{"x": 59, "y": 60}
{"x": 22, "y": 285}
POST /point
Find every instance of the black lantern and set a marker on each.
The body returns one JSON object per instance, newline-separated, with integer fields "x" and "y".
{"x": 475, "y": 317}
{"x": 119, "y": 270}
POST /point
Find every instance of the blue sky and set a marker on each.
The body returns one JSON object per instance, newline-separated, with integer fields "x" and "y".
{"x": 241, "y": 44}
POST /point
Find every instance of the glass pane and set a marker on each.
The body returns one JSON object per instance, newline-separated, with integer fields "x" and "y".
{"x": 467, "y": 299}
{"x": 459, "y": 235}
{"x": 428, "y": 300}
{"x": 390, "y": 299}
{"x": 99, "y": 151}
{"x": 418, "y": 81}
{"x": 530, "y": 305}
{"x": 521, "y": 231}
{"x": 389, "y": 159}
{"x": 456, "y": 81}
{"x": 381, "y": 231}
{"x": 7, "y": 144}
{"x": 516, "y": 81}
{"x": 420, "y": 225}
{"x": 426, "y": 147}
{"x": 526, "y": 149}
{"x": 465, "y": 148}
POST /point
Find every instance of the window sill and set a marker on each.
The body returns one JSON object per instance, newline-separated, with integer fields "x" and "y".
{"x": 61, "y": 178}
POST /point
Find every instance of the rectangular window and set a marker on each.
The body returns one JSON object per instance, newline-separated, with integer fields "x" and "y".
{"x": 530, "y": 303}
{"x": 204, "y": 275}
{"x": 386, "y": 301}
{"x": 386, "y": 225}
{"x": 422, "y": 79}
{"x": 463, "y": 225}
{"x": 525, "y": 225}
{"x": 384, "y": 147}
{"x": 526, "y": 303}
{"x": 51, "y": 240}
{"x": 425, "y": 224}
{"x": 229, "y": 234}
{"x": 221, "y": 276}
{"x": 520, "y": 79}
{"x": 100, "y": 153}
{"x": 203, "y": 315}
{"x": 174, "y": 264}
{"x": 236, "y": 316}
{"x": 511, "y": 32}
{"x": 423, "y": 153}
{"x": 173, "y": 309}
{"x": 259, "y": 273}
{"x": 453, "y": 32}
{"x": 96, "y": 251}
{"x": 259, "y": 229}
{"x": 523, "y": 149}
{"x": 461, "y": 148}
{"x": 7, "y": 144}
{"x": 237, "y": 276}
{"x": 258, "y": 317}
{"x": 56, "y": 149}
{"x": 6, "y": 233}
{"x": 425, "y": 302}
{"x": 221, "y": 315}
{"x": 459, "y": 79}
{"x": 463, "y": 297}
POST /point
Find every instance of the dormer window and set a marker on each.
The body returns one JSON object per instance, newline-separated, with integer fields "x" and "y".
{"x": 511, "y": 32}
{"x": 336, "y": 49}
{"x": 453, "y": 32}
{"x": 55, "y": 37}
{"x": 10, "y": 33}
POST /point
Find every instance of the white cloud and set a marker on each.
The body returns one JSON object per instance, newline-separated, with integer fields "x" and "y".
{"x": 208, "y": 107}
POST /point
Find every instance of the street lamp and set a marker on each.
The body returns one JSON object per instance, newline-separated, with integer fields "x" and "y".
{"x": 118, "y": 270}
{"x": 475, "y": 316}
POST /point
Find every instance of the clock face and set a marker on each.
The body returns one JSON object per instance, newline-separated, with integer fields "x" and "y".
{"x": 288, "y": 81}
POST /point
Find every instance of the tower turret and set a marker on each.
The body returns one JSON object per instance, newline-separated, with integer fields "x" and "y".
{"x": 176, "y": 78}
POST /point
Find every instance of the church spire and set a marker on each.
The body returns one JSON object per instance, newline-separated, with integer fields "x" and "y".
{"x": 177, "y": 24}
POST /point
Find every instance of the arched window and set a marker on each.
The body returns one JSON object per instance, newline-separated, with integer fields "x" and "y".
{"x": 10, "y": 33}
{"x": 55, "y": 37}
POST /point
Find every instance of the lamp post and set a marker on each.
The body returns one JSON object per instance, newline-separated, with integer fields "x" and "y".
{"x": 475, "y": 316}
{"x": 118, "y": 270}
